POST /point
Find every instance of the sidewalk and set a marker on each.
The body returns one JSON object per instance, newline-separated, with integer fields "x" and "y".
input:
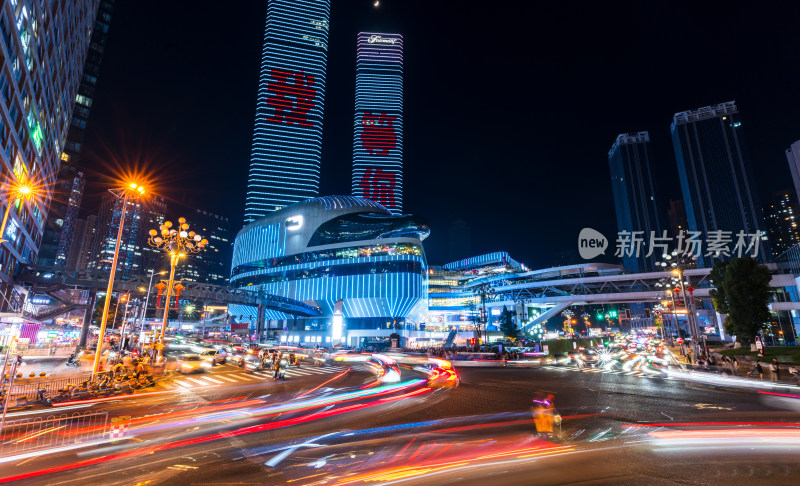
{"x": 53, "y": 368}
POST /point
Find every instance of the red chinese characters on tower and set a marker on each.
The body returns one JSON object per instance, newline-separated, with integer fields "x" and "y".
{"x": 290, "y": 96}
{"x": 379, "y": 186}
{"x": 377, "y": 133}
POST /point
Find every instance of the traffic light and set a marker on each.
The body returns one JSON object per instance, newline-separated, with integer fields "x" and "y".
{"x": 612, "y": 313}
{"x": 628, "y": 313}
{"x": 599, "y": 316}
{"x": 647, "y": 313}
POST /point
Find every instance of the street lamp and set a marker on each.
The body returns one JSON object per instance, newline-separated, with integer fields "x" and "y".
{"x": 678, "y": 263}
{"x": 484, "y": 290}
{"x": 178, "y": 243}
{"x": 126, "y": 193}
{"x": 24, "y": 190}
{"x": 143, "y": 315}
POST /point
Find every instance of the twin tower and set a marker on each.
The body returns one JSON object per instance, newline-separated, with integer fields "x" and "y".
{"x": 287, "y": 138}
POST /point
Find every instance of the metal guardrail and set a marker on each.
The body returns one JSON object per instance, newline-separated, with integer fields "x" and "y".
{"x": 50, "y": 386}
{"x": 29, "y": 435}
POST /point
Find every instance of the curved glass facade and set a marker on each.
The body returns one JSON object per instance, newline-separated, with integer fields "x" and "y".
{"x": 368, "y": 226}
{"x": 332, "y": 254}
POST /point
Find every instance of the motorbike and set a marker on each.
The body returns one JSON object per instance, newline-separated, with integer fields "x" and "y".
{"x": 73, "y": 361}
{"x": 23, "y": 402}
{"x": 280, "y": 372}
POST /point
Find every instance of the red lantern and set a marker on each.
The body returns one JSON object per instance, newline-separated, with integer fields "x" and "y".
{"x": 178, "y": 287}
{"x": 160, "y": 286}
{"x": 691, "y": 293}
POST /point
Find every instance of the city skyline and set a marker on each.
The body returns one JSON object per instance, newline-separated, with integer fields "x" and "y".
{"x": 530, "y": 159}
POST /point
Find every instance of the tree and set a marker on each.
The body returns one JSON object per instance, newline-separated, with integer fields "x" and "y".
{"x": 742, "y": 292}
{"x": 114, "y": 316}
{"x": 507, "y": 325}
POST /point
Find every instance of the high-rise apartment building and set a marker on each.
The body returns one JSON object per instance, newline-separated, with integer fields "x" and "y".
{"x": 135, "y": 255}
{"x": 66, "y": 203}
{"x": 44, "y": 46}
{"x": 378, "y": 140}
{"x": 715, "y": 173}
{"x": 213, "y": 264}
{"x": 287, "y": 138}
{"x": 635, "y": 199}
{"x": 782, "y": 221}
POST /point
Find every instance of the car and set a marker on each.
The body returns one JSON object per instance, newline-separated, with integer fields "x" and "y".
{"x": 191, "y": 363}
{"x": 561, "y": 358}
{"x": 252, "y": 363}
{"x": 214, "y": 356}
{"x": 440, "y": 373}
{"x": 384, "y": 367}
{"x": 589, "y": 357}
{"x": 320, "y": 358}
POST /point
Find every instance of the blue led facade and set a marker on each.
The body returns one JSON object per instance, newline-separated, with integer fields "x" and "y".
{"x": 287, "y": 138}
{"x": 381, "y": 278}
{"x": 378, "y": 134}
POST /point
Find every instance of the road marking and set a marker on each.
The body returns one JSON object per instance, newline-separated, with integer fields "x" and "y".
{"x": 226, "y": 378}
{"x": 233, "y": 376}
{"x": 197, "y": 381}
{"x": 182, "y": 383}
{"x": 211, "y": 379}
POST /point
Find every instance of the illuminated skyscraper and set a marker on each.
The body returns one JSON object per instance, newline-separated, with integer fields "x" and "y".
{"x": 44, "y": 46}
{"x": 378, "y": 141}
{"x": 634, "y": 195}
{"x": 287, "y": 138}
{"x": 714, "y": 167}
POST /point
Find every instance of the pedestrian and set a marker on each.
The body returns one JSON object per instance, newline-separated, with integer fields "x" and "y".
{"x": 735, "y": 365}
{"x": 760, "y": 371}
{"x": 776, "y": 369}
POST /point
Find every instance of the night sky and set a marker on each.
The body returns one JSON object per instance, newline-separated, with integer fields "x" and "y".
{"x": 511, "y": 107}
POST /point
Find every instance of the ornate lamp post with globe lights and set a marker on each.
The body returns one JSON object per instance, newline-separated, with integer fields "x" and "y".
{"x": 178, "y": 243}
{"x": 678, "y": 263}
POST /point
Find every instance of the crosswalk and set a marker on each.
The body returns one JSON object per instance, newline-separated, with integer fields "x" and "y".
{"x": 588, "y": 369}
{"x": 233, "y": 375}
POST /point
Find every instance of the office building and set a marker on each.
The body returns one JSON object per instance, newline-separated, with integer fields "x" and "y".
{"x": 378, "y": 134}
{"x": 68, "y": 192}
{"x": 213, "y": 264}
{"x": 135, "y": 257}
{"x": 60, "y": 226}
{"x": 715, "y": 172}
{"x": 42, "y": 63}
{"x": 459, "y": 241}
{"x": 676, "y": 215}
{"x": 287, "y": 138}
{"x": 635, "y": 197}
{"x": 331, "y": 249}
{"x": 782, "y": 222}
{"x": 793, "y": 156}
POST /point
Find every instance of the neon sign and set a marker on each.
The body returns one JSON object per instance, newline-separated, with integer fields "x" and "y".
{"x": 378, "y": 135}
{"x": 373, "y": 39}
{"x": 291, "y": 95}
{"x": 379, "y": 186}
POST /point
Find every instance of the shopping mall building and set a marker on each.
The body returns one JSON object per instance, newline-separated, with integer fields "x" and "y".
{"x": 346, "y": 256}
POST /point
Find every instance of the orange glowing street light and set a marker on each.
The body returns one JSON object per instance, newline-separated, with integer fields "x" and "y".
{"x": 24, "y": 190}
{"x": 131, "y": 191}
